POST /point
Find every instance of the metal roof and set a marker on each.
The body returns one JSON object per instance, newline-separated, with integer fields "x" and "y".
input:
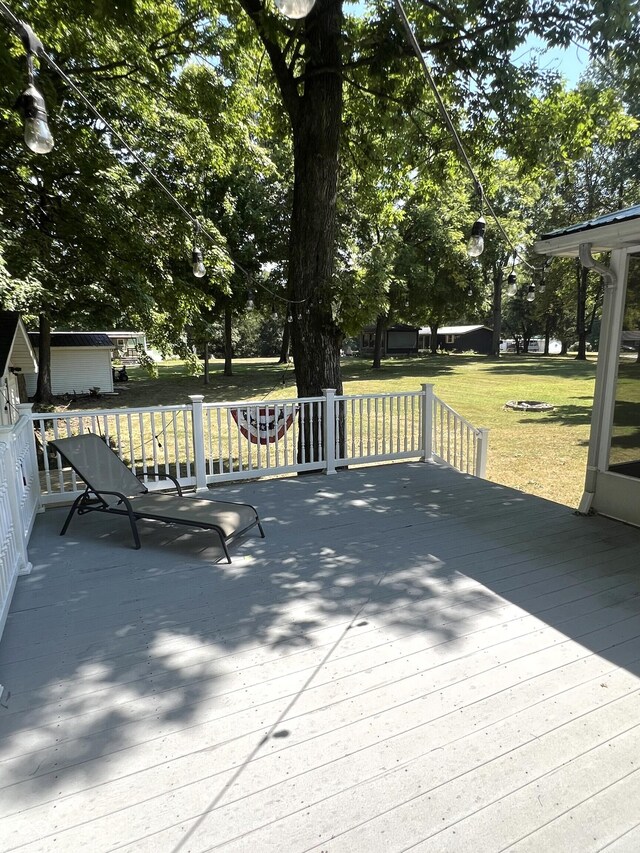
{"x": 74, "y": 339}
{"x": 454, "y": 330}
{"x": 607, "y": 219}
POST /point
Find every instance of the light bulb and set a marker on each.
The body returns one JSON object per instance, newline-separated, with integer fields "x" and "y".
{"x": 531, "y": 293}
{"x": 295, "y": 8}
{"x": 470, "y": 292}
{"x": 475, "y": 246}
{"x": 37, "y": 136}
{"x": 250, "y": 305}
{"x": 289, "y": 318}
{"x": 512, "y": 284}
{"x": 542, "y": 287}
{"x": 199, "y": 269}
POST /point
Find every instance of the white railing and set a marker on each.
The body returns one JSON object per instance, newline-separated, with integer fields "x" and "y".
{"x": 19, "y": 502}
{"x": 151, "y": 441}
{"x": 204, "y": 443}
{"x": 456, "y": 442}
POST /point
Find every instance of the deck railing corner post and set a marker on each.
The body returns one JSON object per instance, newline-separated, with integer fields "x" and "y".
{"x": 199, "y": 460}
{"x": 329, "y": 430}
{"x": 7, "y": 437}
{"x": 26, "y": 411}
{"x": 482, "y": 444}
{"x": 427, "y": 422}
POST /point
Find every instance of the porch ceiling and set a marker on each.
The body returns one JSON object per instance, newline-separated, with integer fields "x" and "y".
{"x": 413, "y": 658}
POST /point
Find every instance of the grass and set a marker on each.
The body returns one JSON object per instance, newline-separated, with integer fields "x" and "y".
{"x": 543, "y": 454}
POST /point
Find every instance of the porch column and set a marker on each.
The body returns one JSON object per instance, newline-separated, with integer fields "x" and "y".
{"x": 606, "y": 376}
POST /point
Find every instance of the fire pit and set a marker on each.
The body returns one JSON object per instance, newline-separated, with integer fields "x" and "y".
{"x": 528, "y": 406}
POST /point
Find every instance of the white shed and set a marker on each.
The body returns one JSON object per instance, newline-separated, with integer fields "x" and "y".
{"x": 612, "y": 483}
{"x": 17, "y": 359}
{"x": 80, "y": 362}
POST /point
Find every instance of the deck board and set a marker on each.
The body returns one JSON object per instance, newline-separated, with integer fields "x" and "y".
{"x": 412, "y": 659}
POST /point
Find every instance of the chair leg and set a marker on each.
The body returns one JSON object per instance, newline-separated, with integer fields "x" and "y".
{"x": 134, "y": 530}
{"x": 72, "y": 512}
{"x": 224, "y": 547}
{"x": 260, "y": 529}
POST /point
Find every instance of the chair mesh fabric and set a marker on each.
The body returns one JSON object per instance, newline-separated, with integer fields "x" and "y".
{"x": 100, "y": 468}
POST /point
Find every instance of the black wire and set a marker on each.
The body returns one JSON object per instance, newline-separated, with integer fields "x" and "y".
{"x": 413, "y": 42}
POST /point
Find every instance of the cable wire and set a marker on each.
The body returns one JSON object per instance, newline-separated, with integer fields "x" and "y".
{"x": 413, "y": 42}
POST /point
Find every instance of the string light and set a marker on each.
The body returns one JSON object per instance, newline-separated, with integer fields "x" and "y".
{"x": 475, "y": 246}
{"x": 531, "y": 293}
{"x": 199, "y": 269}
{"x": 295, "y": 9}
{"x": 512, "y": 284}
{"x": 31, "y": 103}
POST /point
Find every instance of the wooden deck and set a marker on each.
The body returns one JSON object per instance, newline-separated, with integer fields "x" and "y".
{"x": 412, "y": 659}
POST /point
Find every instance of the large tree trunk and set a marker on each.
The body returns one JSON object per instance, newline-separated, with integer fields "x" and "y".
{"x": 496, "y": 314}
{"x": 316, "y": 126}
{"x": 313, "y": 100}
{"x": 43, "y": 396}
{"x": 381, "y": 327}
{"x": 228, "y": 343}
{"x": 434, "y": 325}
{"x": 581, "y": 323}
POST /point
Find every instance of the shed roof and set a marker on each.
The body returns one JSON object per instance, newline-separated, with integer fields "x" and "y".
{"x": 454, "y": 330}
{"x": 74, "y": 339}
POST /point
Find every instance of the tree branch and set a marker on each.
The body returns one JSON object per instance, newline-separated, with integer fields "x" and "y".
{"x": 285, "y": 79}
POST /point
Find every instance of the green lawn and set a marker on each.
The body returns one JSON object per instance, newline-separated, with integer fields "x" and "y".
{"x": 544, "y": 454}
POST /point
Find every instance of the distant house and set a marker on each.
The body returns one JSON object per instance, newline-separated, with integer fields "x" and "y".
{"x": 17, "y": 359}
{"x": 80, "y": 363}
{"x": 459, "y": 338}
{"x": 126, "y": 345}
{"x": 398, "y": 340}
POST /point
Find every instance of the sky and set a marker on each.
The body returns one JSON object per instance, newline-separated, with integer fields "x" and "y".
{"x": 571, "y": 63}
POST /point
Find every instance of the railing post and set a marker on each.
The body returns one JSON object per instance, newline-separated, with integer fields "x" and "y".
{"x": 427, "y": 422}
{"x": 329, "y": 430}
{"x": 26, "y": 411}
{"x": 482, "y": 444}
{"x": 199, "y": 459}
{"x": 8, "y": 438}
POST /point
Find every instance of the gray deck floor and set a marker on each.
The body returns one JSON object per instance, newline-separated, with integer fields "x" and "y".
{"x": 411, "y": 660}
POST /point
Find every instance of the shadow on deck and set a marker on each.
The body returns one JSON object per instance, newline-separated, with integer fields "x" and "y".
{"x": 412, "y": 658}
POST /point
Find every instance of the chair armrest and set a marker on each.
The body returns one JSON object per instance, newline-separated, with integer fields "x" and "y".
{"x": 158, "y": 476}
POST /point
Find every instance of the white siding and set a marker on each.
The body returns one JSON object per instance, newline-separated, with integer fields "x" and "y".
{"x": 77, "y": 369}
{"x": 21, "y": 354}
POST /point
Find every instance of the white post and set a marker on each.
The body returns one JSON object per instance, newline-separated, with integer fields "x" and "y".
{"x": 482, "y": 445}
{"x": 427, "y": 422}
{"x": 329, "y": 430}
{"x": 26, "y": 411}
{"x": 199, "y": 460}
{"x": 7, "y": 436}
